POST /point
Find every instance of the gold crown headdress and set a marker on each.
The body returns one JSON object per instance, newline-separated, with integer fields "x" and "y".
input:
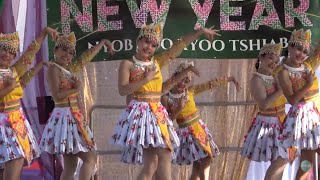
{"x": 67, "y": 40}
{"x": 183, "y": 66}
{"x": 10, "y": 42}
{"x": 271, "y": 48}
{"x": 154, "y": 32}
{"x": 301, "y": 37}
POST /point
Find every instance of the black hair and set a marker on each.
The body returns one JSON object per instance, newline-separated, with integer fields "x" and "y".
{"x": 257, "y": 65}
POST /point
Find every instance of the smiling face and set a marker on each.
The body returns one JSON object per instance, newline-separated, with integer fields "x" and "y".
{"x": 64, "y": 55}
{"x": 146, "y": 47}
{"x": 6, "y": 57}
{"x": 184, "y": 83}
{"x": 298, "y": 53}
{"x": 269, "y": 61}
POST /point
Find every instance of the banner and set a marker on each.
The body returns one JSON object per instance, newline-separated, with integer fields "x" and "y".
{"x": 1, "y": 5}
{"x": 245, "y": 25}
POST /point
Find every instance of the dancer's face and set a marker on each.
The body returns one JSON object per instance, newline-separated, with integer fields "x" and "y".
{"x": 146, "y": 47}
{"x": 269, "y": 61}
{"x": 64, "y": 55}
{"x": 298, "y": 53}
{"x": 6, "y": 57}
{"x": 183, "y": 84}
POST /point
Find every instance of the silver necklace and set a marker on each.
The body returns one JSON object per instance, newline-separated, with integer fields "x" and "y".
{"x": 176, "y": 96}
{"x": 265, "y": 78}
{"x": 141, "y": 64}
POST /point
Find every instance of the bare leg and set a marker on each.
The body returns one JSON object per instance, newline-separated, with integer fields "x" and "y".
{"x": 306, "y": 155}
{"x": 70, "y": 162}
{"x": 13, "y": 169}
{"x": 205, "y": 168}
{"x": 195, "y": 175}
{"x": 150, "y": 164}
{"x": 89, "y": 161}
{"x": 275, "y": 170}
{"x": 164, "y": 163}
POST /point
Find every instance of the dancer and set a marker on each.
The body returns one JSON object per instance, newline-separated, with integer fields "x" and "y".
{"x": 67, "y": 132}
{"x": 301, "y": 131}
{"x": 144, "y": 128}
{"x": 261, "y": 142}
{"x": 18, "y": 145}
{"x": 196, "y": 143}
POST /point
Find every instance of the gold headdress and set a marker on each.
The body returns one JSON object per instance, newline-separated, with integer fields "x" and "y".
{"x": 67, "y": 40}
{"x": 152, "y": 32}
{"x": 271, "y": 48}
{"x": 183, "y": 66}
{"x": 301, "y": 37}
{"x": 10, "y": 42}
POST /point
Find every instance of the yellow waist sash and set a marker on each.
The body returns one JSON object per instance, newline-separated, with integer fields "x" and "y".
{"x": 278, "y": 111}
{"x": 147, "y": 96}
{"x": 311, "y": 94}
{"x": 16, "y": 122}
{"x": 153, "y": 98}
{"x": 72, "y": 102}
{"x": 192, "y": 122}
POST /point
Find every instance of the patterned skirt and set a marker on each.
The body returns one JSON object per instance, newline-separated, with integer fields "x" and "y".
{"x": 302, "y": 127}
{"x": 262, "y": 141}
{"x": 11, "y": 146}
{"x": 190, "y": 149}
{"x": 62, "y": 135}
{"x": 138, "y": 128}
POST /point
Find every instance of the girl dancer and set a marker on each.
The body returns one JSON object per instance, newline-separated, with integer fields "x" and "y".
{"x": 17, "y": 142}
{"x": 261, "y": 142}
{"x": 196, "y": 142}
{"x": 67, "y": 132}
{"x": 144, "y": 128}
{"x": 301, "y": 131}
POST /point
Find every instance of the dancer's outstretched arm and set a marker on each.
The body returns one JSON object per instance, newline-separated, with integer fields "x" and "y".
{"x": 89, "y": 54}
{"x": 164, "y": 57}
{"x": 218, "y": 82}
{"x": 23, "y": 63}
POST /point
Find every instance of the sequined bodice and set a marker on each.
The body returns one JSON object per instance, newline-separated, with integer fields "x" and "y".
{"x": 137, "y": 73}
{"x": 297, "y": 76}
{"x": 66, "y": 82}
{"x": 4, "y": 75}
{"x": 190, "y": 106}
{"x": 17, "y": 92}
{"x": 271, "y": 86}
{"x": 269, "y": 83}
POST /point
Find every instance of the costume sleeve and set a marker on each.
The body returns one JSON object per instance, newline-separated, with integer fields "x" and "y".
{"x": 164, "y": 57}
{"x": 197, "y": 89}
{"x": 84, "y": 59}
{"x": 24, "y": 62}
{"x": 26, "y": 78}
{"x": 314, "y": 60}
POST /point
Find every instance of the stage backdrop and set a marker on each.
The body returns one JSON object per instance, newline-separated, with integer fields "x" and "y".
{"x": 245, "y": 25}
{"x": 226, "y": 112}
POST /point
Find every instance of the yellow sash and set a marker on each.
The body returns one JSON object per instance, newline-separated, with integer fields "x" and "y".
{"x": 16, "y": 120}
{"x": 192, "y": 122}
{"x": 77, "y": 115}
{"x": 161, "y": 120}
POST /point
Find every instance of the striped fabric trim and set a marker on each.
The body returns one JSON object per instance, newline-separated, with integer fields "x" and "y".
{"x": 188, "y": 120}
{"x": 71, "y": 101}
{"x": 147, "y": 96}
{"x": 311, "y": 94}
{"x": 272, "y": 112}
{"x": 10, "y": 105}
